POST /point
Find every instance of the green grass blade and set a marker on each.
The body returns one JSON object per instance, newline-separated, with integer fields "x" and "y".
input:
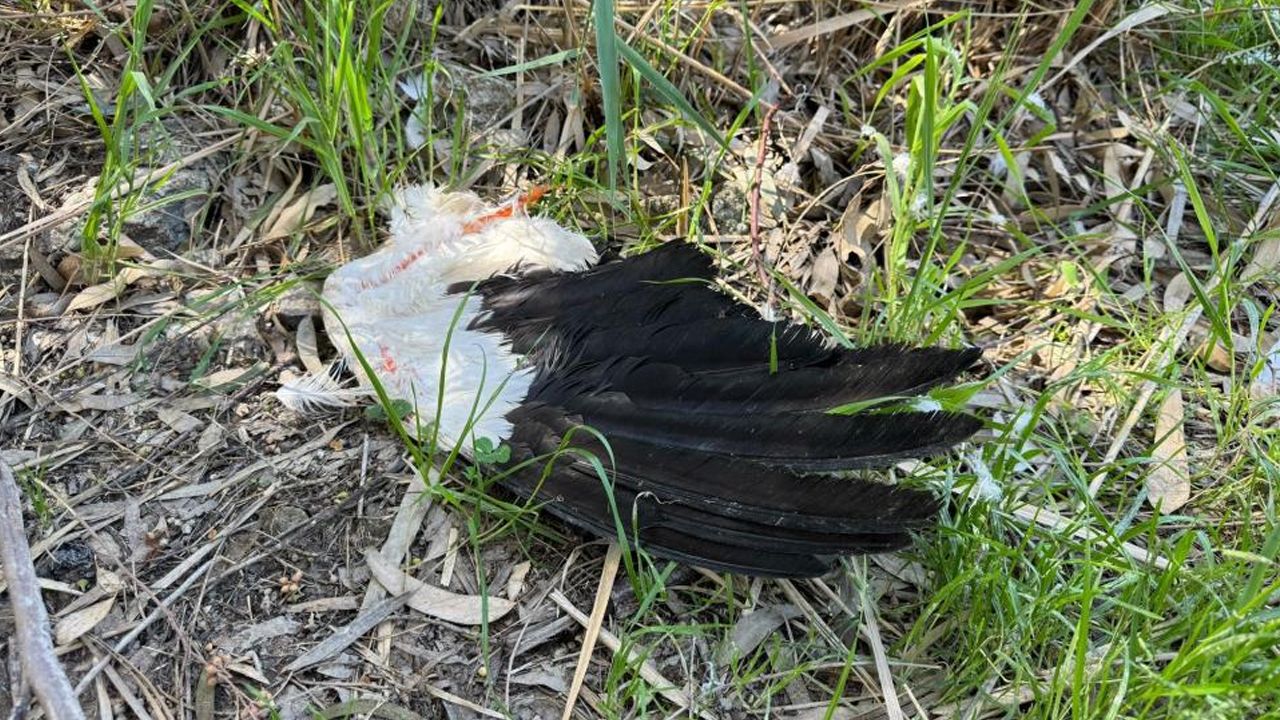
{"x": 556, "y": 58}
{"x": 610, "y": 86}
{"x": 670, "y": 92}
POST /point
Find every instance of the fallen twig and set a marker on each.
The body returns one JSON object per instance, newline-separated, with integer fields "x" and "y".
{"x": 31, "y": 622}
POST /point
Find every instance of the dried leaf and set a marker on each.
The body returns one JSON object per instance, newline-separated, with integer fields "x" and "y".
{"x": 104, "y": 402}
{"x": 72, "y": 627}
{"x": 1266, "y": 253}
{"x": 95, "y": 295}
{"x": 408, "y": 520}
{"x": 344, "y": 603}
{"x": 308, "y": 351}
{"x": 544, "y": 677}
{"x": 1169, "y": 484}
{"x": 348, "y": 634}
{"x": 178, "y": 420}
{"x": 450, "y": 557}
{"x": 114, "y": 353}
{"x": 229, "y": 378}
{"x": 210, "y": 437}
{"x": 254, "y": 635}
{"x": 515, "y": 582}
{"x": 908, "y": 571}
{"x": 109, "y": 581}
{"x": 811, "y": 132}
{"x": 10, "y": 385}
{"x": 753, "y": 628}
{"x": 248, "y": 671}
{"x": 72, "y": 269}
{"x": 126, "y": 249}
{"x": 823, "y": 277}
{"x": 1176, "y": 293}
{"x": 439, "y": 529}
{"x": 297, "y": 213}
{"x": 434, "y": 601}
{"x": 134, "y": 531}
{"x": 1217, "y": 357}
{"x": 1265, "y": 259}
{"x": 1112, "y": 175}
{"x": 825, "y": 27}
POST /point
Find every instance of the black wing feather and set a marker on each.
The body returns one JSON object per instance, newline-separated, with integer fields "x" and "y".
{"x": 715, "y": 451}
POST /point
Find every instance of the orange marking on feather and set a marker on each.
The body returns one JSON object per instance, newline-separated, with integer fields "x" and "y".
{"x": 506, "y": 211}
{"x": 388, "y": 362}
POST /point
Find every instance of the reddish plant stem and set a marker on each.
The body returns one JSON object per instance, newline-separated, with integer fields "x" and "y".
{"x": 753, "y": 200}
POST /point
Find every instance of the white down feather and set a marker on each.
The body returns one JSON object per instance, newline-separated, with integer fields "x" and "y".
{"x": 394, "y": 305}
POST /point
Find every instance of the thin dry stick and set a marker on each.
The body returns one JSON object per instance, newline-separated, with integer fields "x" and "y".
{"x": 31, "y": 622}
{"x": 757, "y": 253}
{"x": 21, "y": 324}
{"x": 449, "y": 697}
{"x": 892, "y": 708}
{"x": 592, "y": 631}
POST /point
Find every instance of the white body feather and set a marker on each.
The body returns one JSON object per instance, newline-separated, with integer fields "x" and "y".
{"x": 393, "y": 307}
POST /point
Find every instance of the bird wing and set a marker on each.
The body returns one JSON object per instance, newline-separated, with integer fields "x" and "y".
{"x": 710, "y": 422}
